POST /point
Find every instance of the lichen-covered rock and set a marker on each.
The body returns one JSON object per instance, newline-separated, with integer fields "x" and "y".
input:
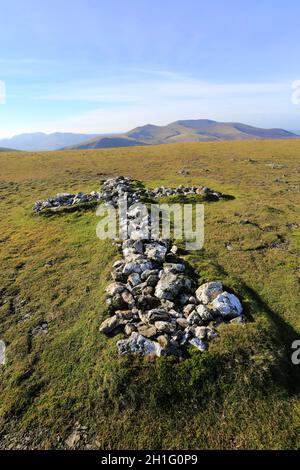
{"x": 170, "y": 285}
{"x": 193, "y": 318}
{"x": 138, "y": 344}
{"x": 208, "y": 292}
{"x": 227, "y": 305}
{"x": 110, "y": 324}
{"x": 201, "y": 332}
{"x": 204, "y": 313}
{"x": 156, "y": 252}
{"x": 165, "y": 327}
{"x": 137, "y": 266}
{"x": 115, "y": 288}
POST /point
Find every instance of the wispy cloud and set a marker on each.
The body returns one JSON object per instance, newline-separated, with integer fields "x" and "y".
{"x": 132, "y": 97}
{"x": 147, "y": 85}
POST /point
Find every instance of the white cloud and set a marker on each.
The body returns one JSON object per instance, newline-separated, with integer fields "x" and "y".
{"x": 164, "y": 86}
{"x": 124, "y": 103}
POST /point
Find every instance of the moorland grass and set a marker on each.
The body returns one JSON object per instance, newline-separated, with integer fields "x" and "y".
{"x": 242, "y": 393}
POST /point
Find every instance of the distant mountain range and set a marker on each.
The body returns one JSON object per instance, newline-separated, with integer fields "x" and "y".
{"x": 4, "y": 149}
{"x": 198, "y": 130}
{"x": 40, "y": 141}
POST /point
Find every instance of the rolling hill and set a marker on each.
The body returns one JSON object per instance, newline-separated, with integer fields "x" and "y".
{"x": 5, "y": 149}
{"x": 39, "y": 141}
{"x": 107, "y": 142}
{"x": 199, "y": 130}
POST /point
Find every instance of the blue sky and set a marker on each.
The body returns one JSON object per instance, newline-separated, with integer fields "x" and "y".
{"x": 98, "y": 66}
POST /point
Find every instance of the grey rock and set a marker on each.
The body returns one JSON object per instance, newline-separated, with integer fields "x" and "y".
{"x": 137, "y": 266}
{"x": 156, "y": 252}
{"x": 182, "y": 322}
{"x": 201, "y": 332}
{"x": 129, "y": 329}
{"x": 148, "y": 290}
{"x": 138, "y": 344}
{"x": 134, "y": 279}
{"x": 149, "y": 272}
{"x": 157, "y": 314}
{"x": 193, "y": 318}
{"x": 128, "y": 297}
{"x": 199, "y": 344}
{"x": 152, "y": 280}
{"x": 174, "y": 268}
{"x": 110, "y": 324}
{"x": 183, "y": 299}
{"x": 115, "y": 288}
{"x": 189, "y": 308}
{"x": 147, "y": 330}
{"x": 164, "y": 327}
{"x": 228, "y": 305}
{"x": 204, "y": 313}
{"x": 208, "y": 292}
{"x": 170, "y": 285}
{"x": 138, "y": 289}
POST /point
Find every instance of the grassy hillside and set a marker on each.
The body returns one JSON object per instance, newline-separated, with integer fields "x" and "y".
{"x": 242, "y": 393}
{"x": 107, "y": 142}
{"x": 193, "y": 130}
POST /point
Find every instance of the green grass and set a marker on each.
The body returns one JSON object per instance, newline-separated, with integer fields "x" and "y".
{"x": 243, "y": 393}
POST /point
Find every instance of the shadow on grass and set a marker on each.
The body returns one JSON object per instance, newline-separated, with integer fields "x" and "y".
{"x": 286, "y": 374}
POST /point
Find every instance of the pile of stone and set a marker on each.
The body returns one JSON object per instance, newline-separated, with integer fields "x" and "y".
{"x": 114, "y": 189}
{"x": 152, "y": 298}
{"x": 208, "y": 193}
{"x": 55, "y": 203}
{"x": 155, "y": 302}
